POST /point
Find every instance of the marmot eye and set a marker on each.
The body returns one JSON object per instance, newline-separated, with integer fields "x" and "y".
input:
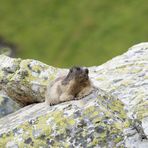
{"x": 78, "y": 68}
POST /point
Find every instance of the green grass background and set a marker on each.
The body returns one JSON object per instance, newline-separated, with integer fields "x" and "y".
{"x": 73, "y": 32}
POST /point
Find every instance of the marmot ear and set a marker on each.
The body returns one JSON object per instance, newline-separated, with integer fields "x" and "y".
{"x": 86, "y": 70}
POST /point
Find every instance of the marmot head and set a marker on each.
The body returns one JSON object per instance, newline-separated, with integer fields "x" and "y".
{"x": 78, "y": 73}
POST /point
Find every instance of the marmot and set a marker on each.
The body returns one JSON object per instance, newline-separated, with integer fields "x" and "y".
{"x": 71, "y": 87}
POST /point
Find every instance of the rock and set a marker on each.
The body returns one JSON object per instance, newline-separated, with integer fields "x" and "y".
{"x": 25, "y": 81}
{"x": 7, "y": 48}
{"x": 126, "y": 77}
{"x": 7, "y": 105}
{"x": 6, "y": 51}
{"x": 116, "y": 116}
{"x": 97, "y": 120}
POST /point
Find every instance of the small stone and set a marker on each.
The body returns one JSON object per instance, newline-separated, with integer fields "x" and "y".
{"x": 28, "y": 141}
{"x": 100, "y": 129}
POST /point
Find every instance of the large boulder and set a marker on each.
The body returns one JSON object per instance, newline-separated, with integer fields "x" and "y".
{"x": 97, "y": 120}
{"x": 116, "y": 116}
{"x": 25, "y": 81}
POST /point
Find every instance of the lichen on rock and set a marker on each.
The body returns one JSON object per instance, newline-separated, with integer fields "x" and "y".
{"x": 25, "y": 80}
{"x": 114, "y": 116}
{"x": 97, "y": 120}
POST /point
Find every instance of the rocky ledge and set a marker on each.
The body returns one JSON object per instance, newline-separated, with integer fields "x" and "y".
{"x": 114, "y": 115}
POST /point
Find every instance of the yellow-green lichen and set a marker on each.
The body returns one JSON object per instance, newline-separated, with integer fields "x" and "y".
{"x": 62, "y": 127}
{"x": 89, "y": 110}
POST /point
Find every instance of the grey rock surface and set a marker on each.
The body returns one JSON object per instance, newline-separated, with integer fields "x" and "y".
{"x": 126, "y": 77}
{"x": 114, "y": 116}
{"x": 25, "y": 81}
{"x": 7, "y": 105}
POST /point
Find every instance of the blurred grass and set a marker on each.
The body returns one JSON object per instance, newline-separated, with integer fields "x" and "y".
{"x": 66, "y": 33}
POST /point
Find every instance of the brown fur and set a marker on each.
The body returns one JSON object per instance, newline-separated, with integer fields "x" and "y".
{"x": 71, "y": 87}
